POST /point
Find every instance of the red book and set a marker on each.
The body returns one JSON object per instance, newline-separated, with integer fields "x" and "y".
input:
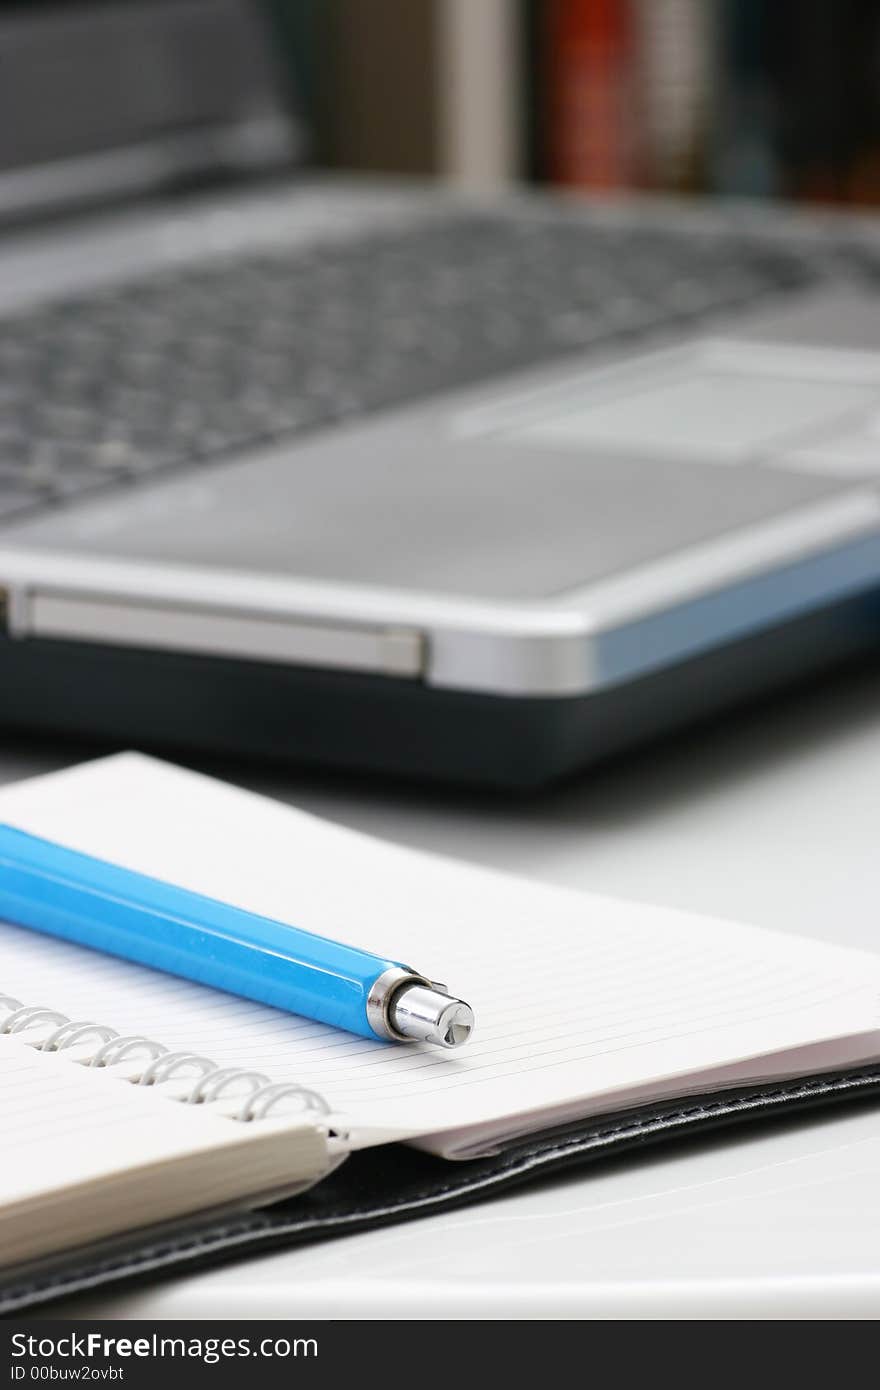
{"x": 592, "y": 123}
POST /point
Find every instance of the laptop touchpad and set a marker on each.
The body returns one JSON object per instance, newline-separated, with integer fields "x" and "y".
{"x": 721, "y": 406}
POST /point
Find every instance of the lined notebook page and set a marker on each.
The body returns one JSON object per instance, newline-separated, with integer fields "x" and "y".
{"x": 64, "y": 1124}
{"x": 581, "y": 1002}
{"x": 86, "y": 1154}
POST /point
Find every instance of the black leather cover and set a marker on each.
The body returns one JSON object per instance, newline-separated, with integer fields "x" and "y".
{"x": 377, "y": 1187}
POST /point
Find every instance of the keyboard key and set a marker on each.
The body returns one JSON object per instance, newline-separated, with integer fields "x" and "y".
{"x": 15, "y": 502}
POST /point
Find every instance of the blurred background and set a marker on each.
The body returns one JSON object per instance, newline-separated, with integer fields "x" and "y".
{"x": 765, "y": 98}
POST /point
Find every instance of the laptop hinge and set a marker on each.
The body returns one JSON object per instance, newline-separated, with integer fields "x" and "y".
{"x": 388, "y": 651}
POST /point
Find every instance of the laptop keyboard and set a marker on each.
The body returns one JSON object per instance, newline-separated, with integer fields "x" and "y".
{"x": 115, "y": 386}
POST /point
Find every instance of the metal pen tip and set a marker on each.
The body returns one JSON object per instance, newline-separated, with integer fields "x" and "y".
{"x": 429, "y": 1015}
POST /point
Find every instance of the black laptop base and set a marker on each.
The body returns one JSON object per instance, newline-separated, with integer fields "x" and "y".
{"x": 298, "y": 715}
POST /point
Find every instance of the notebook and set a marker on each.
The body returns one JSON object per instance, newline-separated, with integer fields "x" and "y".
{"x": 598, "y": 1022}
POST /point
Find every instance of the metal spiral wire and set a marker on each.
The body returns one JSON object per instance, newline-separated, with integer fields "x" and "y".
{"x": 263, "y": 1095}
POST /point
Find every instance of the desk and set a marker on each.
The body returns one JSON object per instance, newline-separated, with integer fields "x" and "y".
{"x": 773, "y": 817}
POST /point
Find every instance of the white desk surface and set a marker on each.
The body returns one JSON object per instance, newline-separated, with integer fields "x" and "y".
{"x": 774, "y": 818}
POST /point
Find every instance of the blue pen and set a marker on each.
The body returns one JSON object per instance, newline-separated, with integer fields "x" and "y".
{"x": 59, "y": 891}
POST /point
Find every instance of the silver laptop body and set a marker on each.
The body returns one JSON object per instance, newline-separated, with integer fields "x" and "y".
{"x": 391, "y": 477}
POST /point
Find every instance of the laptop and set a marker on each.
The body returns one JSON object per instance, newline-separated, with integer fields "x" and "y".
{"x": 385, "y": 477}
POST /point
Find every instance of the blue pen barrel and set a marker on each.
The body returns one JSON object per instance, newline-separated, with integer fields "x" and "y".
{"x": 58, "y": 891}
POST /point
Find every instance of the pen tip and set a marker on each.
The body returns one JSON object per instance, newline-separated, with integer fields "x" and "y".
{"x": 459, "y": 1027}
{"x": 428, "y": 1015}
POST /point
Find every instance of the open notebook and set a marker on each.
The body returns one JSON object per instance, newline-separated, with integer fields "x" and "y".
{"x": 585, "y": 1006}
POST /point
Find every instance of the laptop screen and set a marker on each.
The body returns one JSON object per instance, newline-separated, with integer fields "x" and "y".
{"x": 86, "y": 78}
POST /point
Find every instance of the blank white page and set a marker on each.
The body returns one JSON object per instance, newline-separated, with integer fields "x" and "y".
{"x": 582, "y": 1002}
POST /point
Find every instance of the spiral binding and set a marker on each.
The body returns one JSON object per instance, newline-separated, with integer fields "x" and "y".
{"x": 113, "y": 1047}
